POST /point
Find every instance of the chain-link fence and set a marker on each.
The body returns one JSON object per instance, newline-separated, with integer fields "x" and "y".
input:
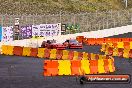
{"x": 87, "y": 21}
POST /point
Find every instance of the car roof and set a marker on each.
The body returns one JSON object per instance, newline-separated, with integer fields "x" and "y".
{"x": 71, "y": 39}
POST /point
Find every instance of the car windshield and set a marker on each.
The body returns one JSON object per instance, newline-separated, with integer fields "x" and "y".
{"x": 74, "y": 41}
{"x": 53, "y": 41}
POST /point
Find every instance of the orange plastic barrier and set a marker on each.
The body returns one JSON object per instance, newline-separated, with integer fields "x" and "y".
{"x": 71, "y": 55}
{"x": 65, "y": 54}
{"x": 50, "y": 68}
{"x": 99, "y": 41}
{"x": 125, "y": 39}
{"x": 17, "y": 50}
{"x": 34, "y": 52}
{"x": 80, "y": 55}
{"x": 96, "y": 56}
{"x": 85, "y": 40}
{"x": 110, "y": 40}
{"x": 76, "y": 57}
{"x": 91, "y": 41}
{"x": 106, "y": 67}
{"x": 127, "y": 45}
{"x": 115, "y": 44}
{"x": 64, "y": 67}
{"x": 110, "y": 51}
{"x": 120, "y": 40}
{"x": 79, "y": 67}
{"x": 111, "y": 64}
{"x": 115, "y": 40}
{"x": 130, "y": 39}
{"x": 47, "y": 53}
{"x": 107, "y": 40}
{"x": 130, "y": 53}
{"x": 75, "y": 67}
{"x": 93, "y": 66}
{"x": 120, "y": 52}
{"x": 85, "y": 56}
{"x": 59, "y": 54}
{"x": 92, "y": 56}
{"x": 89, "y": 56}
{"x": 80, "y": 38}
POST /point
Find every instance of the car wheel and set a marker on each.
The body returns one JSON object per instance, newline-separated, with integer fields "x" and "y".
{"x": 44, "y": 46}
{"x": 51, "y": 47}
{"x": 68, "y": 47}
{"x": 81, "y": 81}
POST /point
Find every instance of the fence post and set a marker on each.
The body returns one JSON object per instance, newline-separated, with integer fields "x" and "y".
{"x": 107, "y": 23}
{"x": 46, "y": 18}
{"x": 131, "y": 17}
{"x": 114, "y": 22}
{"x": 2, "y": 20}
{"x": 103, "y": 23}
{"x": 60, "y": 16}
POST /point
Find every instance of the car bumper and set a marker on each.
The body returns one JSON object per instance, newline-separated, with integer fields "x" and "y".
{"x": 61, "y": 48}
{"x": 76, "y": 47}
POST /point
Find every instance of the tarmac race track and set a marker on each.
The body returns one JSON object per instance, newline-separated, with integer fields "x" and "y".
{"x": 26, "y": 72}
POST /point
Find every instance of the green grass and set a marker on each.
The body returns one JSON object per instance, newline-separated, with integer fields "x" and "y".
{"x": 54, "y": 6}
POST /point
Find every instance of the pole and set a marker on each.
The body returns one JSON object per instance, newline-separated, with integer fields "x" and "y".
{"x": 126, "y": 1}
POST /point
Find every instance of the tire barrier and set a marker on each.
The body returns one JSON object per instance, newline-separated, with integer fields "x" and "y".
{"x": 100, "y": 41}
{"x": 78, "y": 67}
{"x": 121, "y": 49}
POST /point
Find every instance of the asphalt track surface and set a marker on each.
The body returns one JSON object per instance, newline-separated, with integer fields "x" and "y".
{"x": 27, "y": 72}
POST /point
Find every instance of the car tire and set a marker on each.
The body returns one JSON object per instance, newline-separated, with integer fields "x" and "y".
{"x": 68, "y": 47}
{"x": 44, "y": 46}
{"x": 81, "y": 81}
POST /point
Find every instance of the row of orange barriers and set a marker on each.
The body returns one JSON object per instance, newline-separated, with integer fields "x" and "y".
{"x": 78, "y": 67}
{"x": 115, "y": 51}
{"x": 74, "y": 55}
{"x": 71, "y": 63}
{"x": 53, "y": 54}
{"x": 99, "y": 41}
{"x": 124, "y": 45}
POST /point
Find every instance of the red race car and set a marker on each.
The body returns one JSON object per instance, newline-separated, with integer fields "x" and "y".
{"x": 52, "y": 44}
{"x": 73, "y": 44}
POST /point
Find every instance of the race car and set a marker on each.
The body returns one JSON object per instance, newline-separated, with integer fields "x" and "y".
{"x": 52, "y": 44}
{"x": 73, "y": 44}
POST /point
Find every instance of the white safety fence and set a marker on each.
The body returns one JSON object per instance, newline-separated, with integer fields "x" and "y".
{"x": 62, "y": 38}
